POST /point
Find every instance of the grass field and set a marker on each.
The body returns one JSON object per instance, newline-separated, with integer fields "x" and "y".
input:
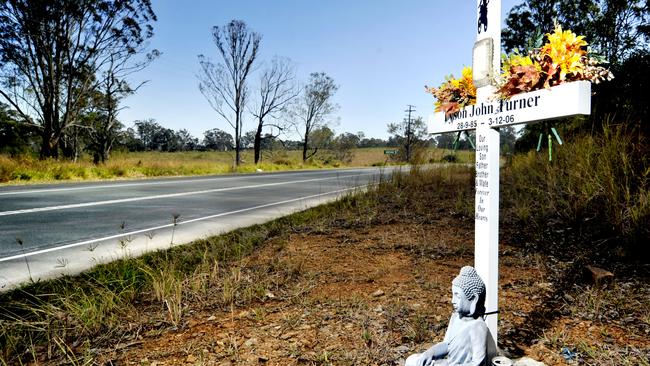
{"x": 133, "y": 165}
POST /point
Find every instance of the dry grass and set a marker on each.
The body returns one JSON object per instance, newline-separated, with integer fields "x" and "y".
{"x": 134, "y": 165}
{"x": 303, "y": 290}
{"x": 597, "y": 184}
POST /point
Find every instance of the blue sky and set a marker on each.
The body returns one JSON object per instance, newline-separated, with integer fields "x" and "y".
{"x": 381, "y": 54}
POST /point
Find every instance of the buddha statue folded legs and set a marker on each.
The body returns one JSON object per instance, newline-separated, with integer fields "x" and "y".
{"x": 467, "y": 340}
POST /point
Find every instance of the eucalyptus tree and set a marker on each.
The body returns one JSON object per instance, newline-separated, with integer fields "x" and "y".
{"x": 186, "y": 141}
{"x": 408, "y": 134}
{"x": 112, "y": 86}
{"x": 313, "y": 108}
{"x": 224, "y": 84}
{"x": 276, "y": 89}
{"x": 52, "y": 51}
{"x": 216, "y": 139}
{"x": 614, "y": 29}
{"x": 15, "y": 138}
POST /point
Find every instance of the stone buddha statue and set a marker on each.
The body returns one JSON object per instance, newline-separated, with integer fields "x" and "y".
{"x": 467, "y": 340}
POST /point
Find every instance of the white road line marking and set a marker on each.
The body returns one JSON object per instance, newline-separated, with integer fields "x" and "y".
{"x": 169, "y": 195}
{"x": 118, "y": 185}
{"x": 72, "y": 245}
{"x": 198, "y": 180}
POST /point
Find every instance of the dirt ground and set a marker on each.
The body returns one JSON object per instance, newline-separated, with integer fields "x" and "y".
{"x": 370, "y": 288}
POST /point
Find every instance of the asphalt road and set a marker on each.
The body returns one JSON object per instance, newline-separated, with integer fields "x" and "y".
{"x": 49, "y": 230}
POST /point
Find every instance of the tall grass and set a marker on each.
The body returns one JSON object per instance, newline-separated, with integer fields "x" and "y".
{"x": 594, "y": 180}
{"x": 35, "y": 321}
{"x": 133, "y": 165}
{"x": 29, "y": 169}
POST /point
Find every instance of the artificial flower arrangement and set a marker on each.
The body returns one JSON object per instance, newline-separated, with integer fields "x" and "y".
{"x": 562, "y": 59}
{"x": 454, "y": 94}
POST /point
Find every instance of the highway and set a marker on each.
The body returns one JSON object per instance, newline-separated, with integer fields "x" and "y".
{"x": 50, "y": 230}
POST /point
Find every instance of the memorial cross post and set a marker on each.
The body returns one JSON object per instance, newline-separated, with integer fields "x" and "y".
{"x": 487, "y": 113}
{"x": 486, "y": 65}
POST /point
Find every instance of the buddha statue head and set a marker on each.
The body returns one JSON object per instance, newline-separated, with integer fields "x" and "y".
{"x": 468, "y": 293}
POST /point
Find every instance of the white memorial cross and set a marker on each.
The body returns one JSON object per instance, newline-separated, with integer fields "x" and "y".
{"x": 488, "y": 113}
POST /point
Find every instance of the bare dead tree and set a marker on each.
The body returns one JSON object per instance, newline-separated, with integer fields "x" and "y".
{"x": 313, "y": 108}
{"x": 50, "y": 52}
{"x": 277, "y": 88}
{"x": 224, "y": 84}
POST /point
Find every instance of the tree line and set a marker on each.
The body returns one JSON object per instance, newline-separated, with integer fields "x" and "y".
{"x": 148, "y": 135}
{"x": 64, "y": 67}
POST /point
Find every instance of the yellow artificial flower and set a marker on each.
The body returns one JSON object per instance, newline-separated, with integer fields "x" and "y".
{"x": 518, "y": 60}
{"x": 468, "y": 82}
{"x": 453, "y": 93}
{"x": 467, "y": 73}
{"x": 562, "y": 59}
{"x": 565, "y": 49}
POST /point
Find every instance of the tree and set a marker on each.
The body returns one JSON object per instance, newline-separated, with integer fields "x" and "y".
{"x": 508, "y": 139}
{"x": 276, "y": 90}
{"x": 224, "y": 85}
{"x": 615, "y": 29}
{"x": 526, "y": 23}
{"x": 165, "y": 139}
{"x": 112, "y": 87}
{"x": 248, "y": 139}
{"x": 155, "y": 137}
{"x": 446, "y": 140}
{"x": 103, "y": 130}
{"x": 622, "y": 29}
{"x": 216, "y": 139}
{"x": 186, "y": 141}
{"x": 312, "y": 109}
{"x": 51, "y": 51}
{"x": 467, "y": 141}
{"x": 408, "y": 134}
{"x": 269, "y": 141}
{"x": 15, "y": 137}
{"x": 321, "y": 138}
{"x": 348, "y": 140}
{"x": 145, "y": 131}
{"x": 372, "y": 142}
{"x": 344, "y": 144}
{"x": 131, "y": 140}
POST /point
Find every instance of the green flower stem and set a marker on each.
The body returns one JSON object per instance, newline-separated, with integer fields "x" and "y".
{"x": 470, "y": 140}
{"x": 557, "y": 136}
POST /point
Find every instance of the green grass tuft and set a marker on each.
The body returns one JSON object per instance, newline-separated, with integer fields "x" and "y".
{"x": 600, "y": 179}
